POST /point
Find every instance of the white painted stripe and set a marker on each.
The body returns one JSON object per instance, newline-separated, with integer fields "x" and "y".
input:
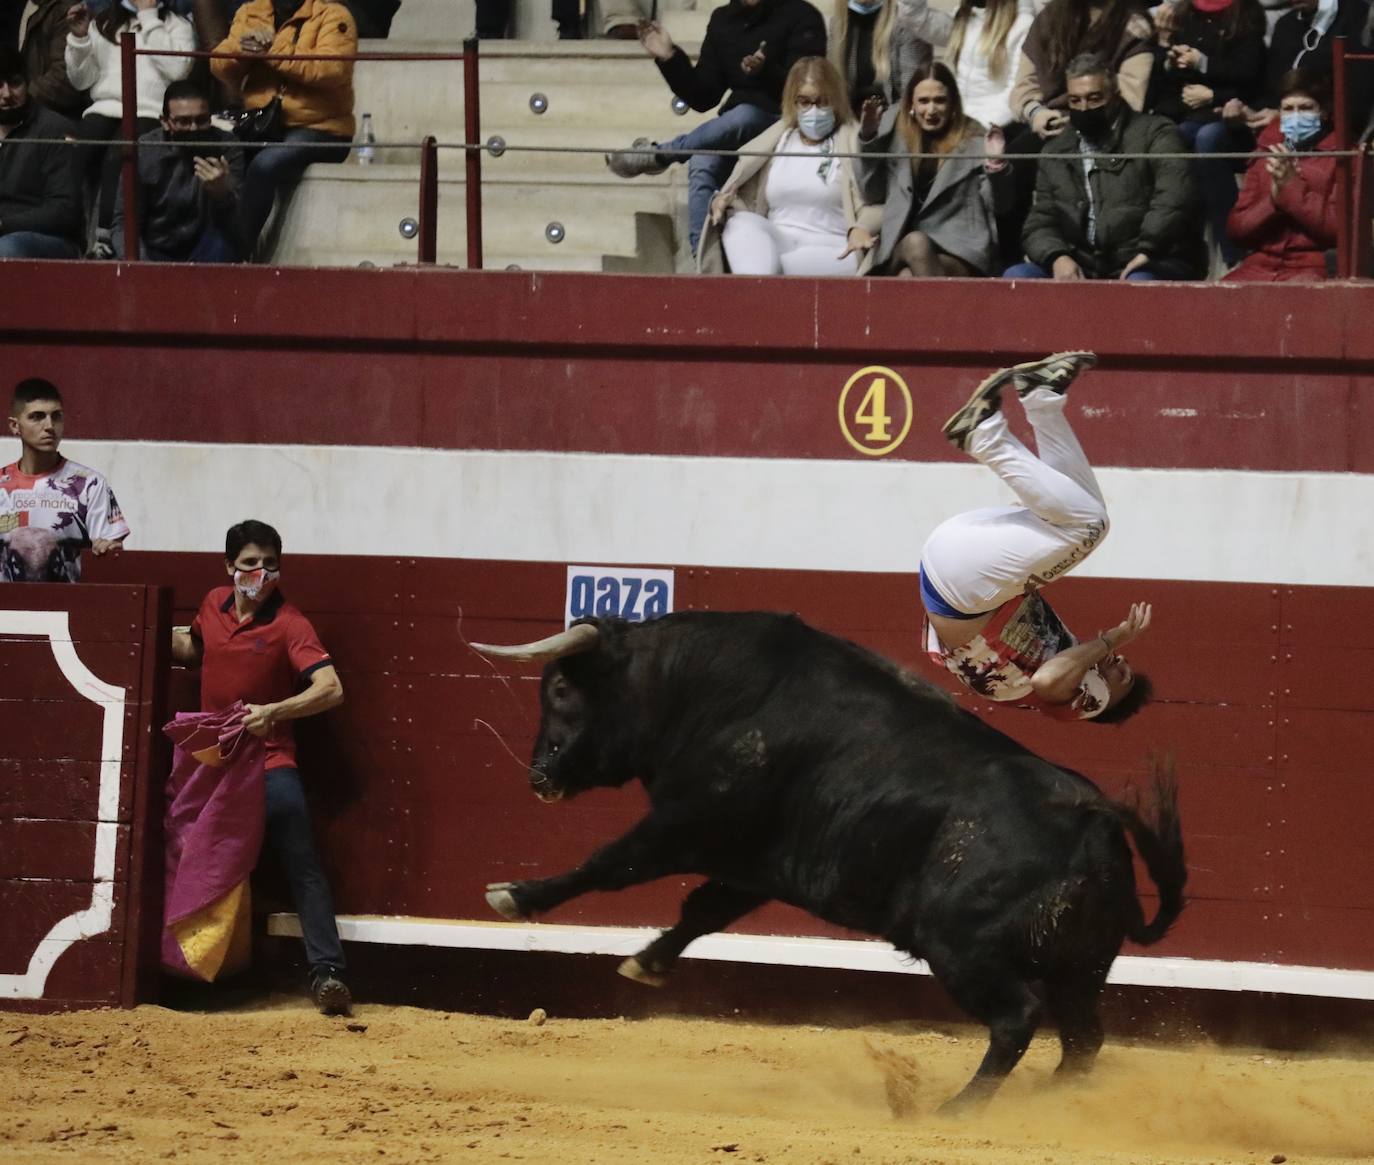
{"x": 1212, "y": 525}
{"x": 95, "y": 918}
{"x": 828, "y": 953}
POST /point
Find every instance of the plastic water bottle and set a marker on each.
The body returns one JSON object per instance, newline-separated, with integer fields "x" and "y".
{"x": 367, "y": 147}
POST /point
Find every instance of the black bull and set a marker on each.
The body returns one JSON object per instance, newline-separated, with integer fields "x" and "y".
{"x": 784, "y": 763}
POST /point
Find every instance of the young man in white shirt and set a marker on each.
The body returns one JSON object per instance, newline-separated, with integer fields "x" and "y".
{"x": 50, "y": 508}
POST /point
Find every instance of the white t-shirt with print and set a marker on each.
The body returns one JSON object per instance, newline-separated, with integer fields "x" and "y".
{"x": 46, "y": 519}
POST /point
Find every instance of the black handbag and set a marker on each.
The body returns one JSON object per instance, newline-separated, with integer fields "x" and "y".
{"x": 262, "y": 126}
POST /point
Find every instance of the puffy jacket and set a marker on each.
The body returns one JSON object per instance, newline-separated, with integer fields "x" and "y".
{"x": 1288, "y": 235}
{"x": 792, "y": 29}
{"x": 1142, "y": 204}
{"x": 314, "y": 94}
{"x": 93, "y": 62}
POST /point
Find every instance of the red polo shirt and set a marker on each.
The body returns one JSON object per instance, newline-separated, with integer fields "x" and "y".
{"x": 259, "y": 661}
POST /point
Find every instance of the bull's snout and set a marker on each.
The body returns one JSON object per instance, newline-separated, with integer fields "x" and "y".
{"x": 541, "y": 783}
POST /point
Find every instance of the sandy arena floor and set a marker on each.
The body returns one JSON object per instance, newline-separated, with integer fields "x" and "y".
{"x": 280, "y": 1084}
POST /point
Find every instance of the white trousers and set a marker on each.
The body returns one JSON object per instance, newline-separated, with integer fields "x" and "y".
{"x": 979, "y": 560}
{"x": 755, "y": 246}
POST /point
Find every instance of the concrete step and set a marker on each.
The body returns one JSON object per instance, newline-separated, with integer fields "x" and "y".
{"x": 348, "y": 209}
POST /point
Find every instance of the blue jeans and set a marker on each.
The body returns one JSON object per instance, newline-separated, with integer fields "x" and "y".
{"x": 1216, "y": 177}
{"x": 278, "y": 165}
{"x": 1030, "y": 270}
{"x": 290, "y": 836}
{"x": 211, "y": 247}
{"x": 32, "y": 245}
{"x": 706, "y": 173}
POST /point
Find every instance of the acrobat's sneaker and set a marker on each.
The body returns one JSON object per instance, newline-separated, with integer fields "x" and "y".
{"x": 985, "y": 401}
{"x": 1055, "y": 372}
{"x": 641, "y": 158}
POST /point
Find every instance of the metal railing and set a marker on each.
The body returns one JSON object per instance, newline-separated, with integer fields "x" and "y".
{"x": 1355, "y": 184}
{"x": 427, "y": 237}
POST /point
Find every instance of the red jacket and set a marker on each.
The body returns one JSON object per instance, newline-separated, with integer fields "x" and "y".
{"x": 1287, "y": 236}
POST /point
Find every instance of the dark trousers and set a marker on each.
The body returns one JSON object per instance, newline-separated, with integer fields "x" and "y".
{"x": 493, "y": 19}
{"x": 98, "y": 163}
{"x": 1216, "y": 177}
{"x": 278, "y": 165}
{"x": 292, "y": 840}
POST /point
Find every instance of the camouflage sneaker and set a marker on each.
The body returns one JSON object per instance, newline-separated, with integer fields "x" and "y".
{"x": 1055, "y": 372}
{"x": 986, "y": 400}
{"x": 330, "y": 993}
{"x": 641, "y": 158}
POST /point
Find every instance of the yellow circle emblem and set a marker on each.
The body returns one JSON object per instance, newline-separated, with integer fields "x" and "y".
{"x": 872, "y": 418}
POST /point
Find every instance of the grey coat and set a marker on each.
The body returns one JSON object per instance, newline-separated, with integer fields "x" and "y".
{"x": 959, "y": 215}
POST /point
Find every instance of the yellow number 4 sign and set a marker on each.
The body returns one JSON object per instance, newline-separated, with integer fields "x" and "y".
{"x": 870, "y": 427}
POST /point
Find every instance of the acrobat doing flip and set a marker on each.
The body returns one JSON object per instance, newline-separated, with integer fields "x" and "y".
{"x": 981, "y": 571}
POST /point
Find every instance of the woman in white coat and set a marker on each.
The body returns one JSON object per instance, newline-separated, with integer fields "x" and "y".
{"x": 984, "y": 50}
{"x": 93, "y": 63}
{"x": 801, "y": 214}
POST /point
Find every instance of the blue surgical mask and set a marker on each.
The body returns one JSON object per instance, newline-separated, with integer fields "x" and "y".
{"x": 816, "y": 122}
{"x": 862, "y": 9}
{"x": 1299, "y": 126}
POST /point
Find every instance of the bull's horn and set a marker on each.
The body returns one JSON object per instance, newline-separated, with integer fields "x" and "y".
{"x": 573, "y": 641}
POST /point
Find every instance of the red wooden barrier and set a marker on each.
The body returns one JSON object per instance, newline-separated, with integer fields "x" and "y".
{"x": 81, "y": 768}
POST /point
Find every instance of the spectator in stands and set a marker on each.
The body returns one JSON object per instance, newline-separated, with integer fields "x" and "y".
{"x": 189, "y": 178}
{"x": 1303, "y": 38}
{"x": 93, "y": 63}
{"x": 50, "y": 508}
{"x": 494, "y": 18}
{"x": 939, "y": 209}
{"x": 45, "y": 59}
{"x": 40, "y": 206}
{"x": 878, "y": 44}
{"x": 1286, "y": 214}
{"x": 796, "y": 215}
{"x": 1099, "y": 217}
{"x": 252, "y": 645}
{"x": 750, "y": 47}
{"x": 1116, "y": 30}
{"x": 316, "y": 96}
{"x": 1215, "y": 54}
{"x": 984, "y": 51}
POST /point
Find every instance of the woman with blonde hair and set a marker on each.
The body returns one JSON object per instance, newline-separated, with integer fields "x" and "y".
{"x": 877, "y": 44}
{"x": 940, "y": 204}
{"x": 803, "y": 213}
{"x": 984, "y": 49}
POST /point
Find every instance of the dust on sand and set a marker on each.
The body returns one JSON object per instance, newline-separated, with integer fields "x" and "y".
{"x": 278, "y": 1083}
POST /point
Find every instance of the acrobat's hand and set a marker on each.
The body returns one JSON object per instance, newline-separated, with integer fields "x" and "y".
{"x": 1132, "y": 627}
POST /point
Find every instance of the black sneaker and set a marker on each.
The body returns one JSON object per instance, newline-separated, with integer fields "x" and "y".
{"x": 330, "y": 993}
{"x": 986, "y": 400}
{"x": 1055, "y": 372}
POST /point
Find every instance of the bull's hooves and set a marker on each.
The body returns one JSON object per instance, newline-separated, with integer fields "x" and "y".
{"x": 501, "y": 900}
{"x": 632, "y": 968}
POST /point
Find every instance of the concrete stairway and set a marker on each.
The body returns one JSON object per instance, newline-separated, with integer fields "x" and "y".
{"x": 598, "y": 93}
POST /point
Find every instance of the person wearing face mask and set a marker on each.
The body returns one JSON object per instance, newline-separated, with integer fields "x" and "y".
{"x": 795, "y": 215}
{"x": 40, "y": 204}
{"x": 1287, "y": 211}
{"x": 93, "y": 63}
{"x": 189, "y": 177}
{"x": 877, "y": 45}
{"x": 940, "y": 205}
{"x": 253, "y": 646}
{"x": 1098, "y": 215}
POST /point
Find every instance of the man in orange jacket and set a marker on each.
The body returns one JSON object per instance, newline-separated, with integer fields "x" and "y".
{"x": 316, "y": 95}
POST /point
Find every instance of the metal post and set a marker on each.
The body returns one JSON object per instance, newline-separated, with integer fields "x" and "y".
{"x": 472, "y": 135}
{"x": 129, "y": 131}
{"x": 1345, "y": 215}
{"x": 429, "y": 200}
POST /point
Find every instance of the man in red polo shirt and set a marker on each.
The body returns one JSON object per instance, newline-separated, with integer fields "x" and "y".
{"x": 252, "y": 645}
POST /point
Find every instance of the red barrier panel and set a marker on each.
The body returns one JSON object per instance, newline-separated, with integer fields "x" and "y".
{"x": 81, "y": 769}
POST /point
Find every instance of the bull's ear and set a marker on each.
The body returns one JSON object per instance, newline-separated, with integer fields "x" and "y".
{"x": 578, "y": 638}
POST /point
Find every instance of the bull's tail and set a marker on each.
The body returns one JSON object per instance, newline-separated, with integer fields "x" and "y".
{"x": 1158, "y": 835}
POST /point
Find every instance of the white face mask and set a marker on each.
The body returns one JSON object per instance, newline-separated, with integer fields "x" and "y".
{"x": 256, "y": 585}
{"x": 816, "y": 122}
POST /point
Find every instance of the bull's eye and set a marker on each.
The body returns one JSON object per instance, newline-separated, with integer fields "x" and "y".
{"x": 553, "y": 748}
